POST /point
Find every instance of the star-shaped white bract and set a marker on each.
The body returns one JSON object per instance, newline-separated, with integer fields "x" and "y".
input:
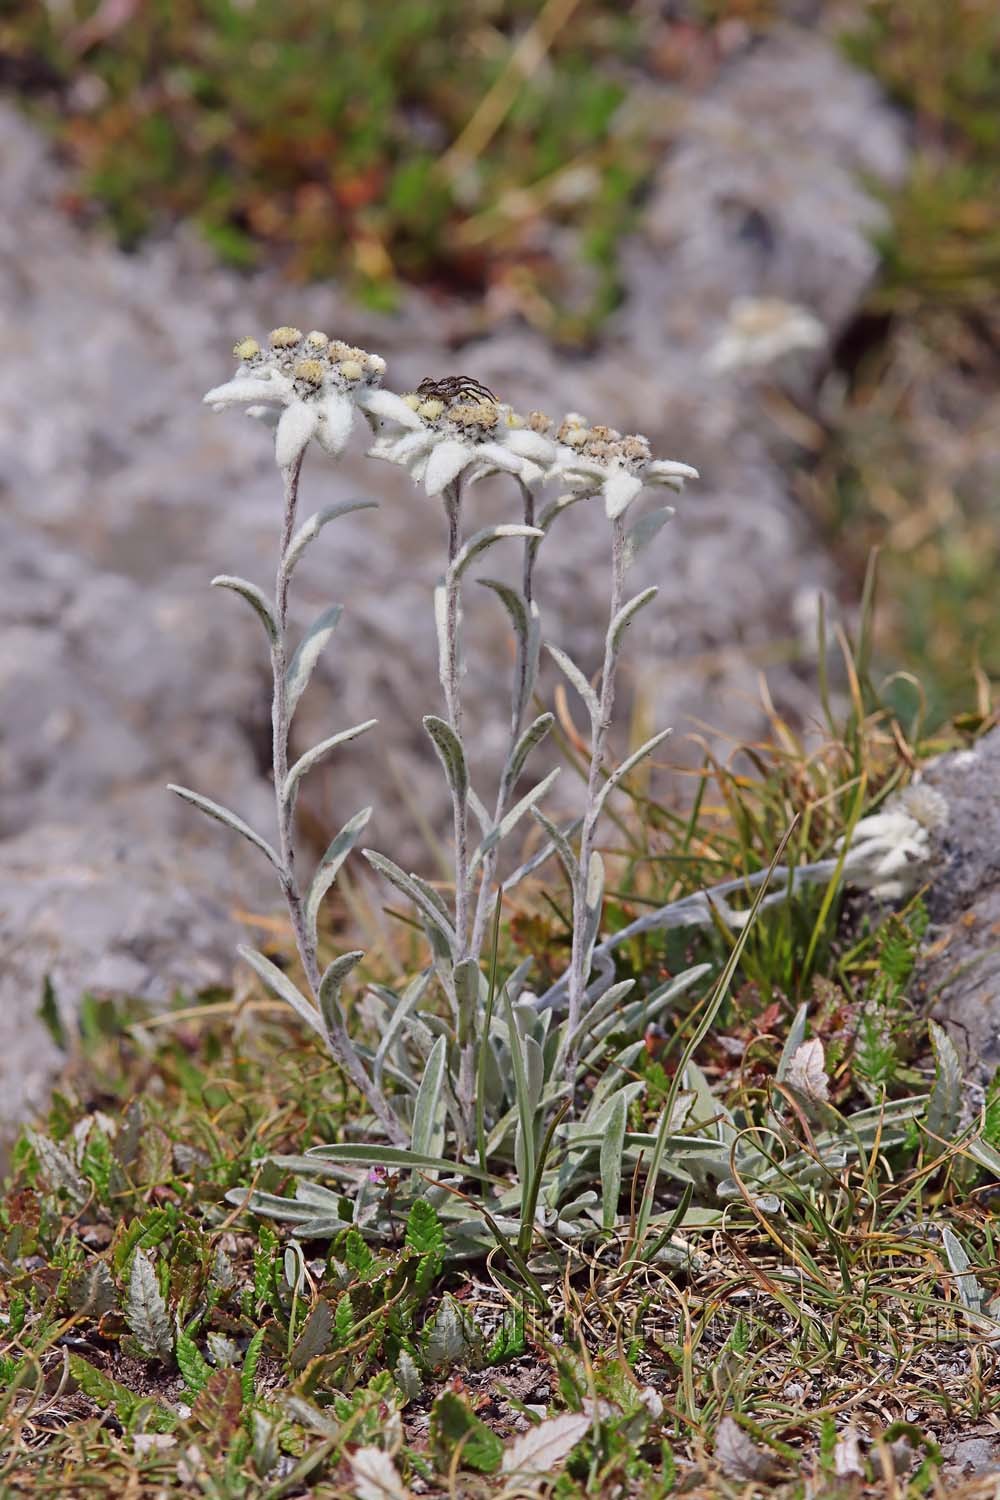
{"x": 308, "y": 387}
{"x": 443, "y": 442}
{"x": 890, "y": 850}
{"x": 599, "y": 459}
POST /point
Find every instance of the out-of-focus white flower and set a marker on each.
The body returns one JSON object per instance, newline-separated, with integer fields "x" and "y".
{"x": 308, "y": 386}
{"x": 600, "y": 460}
{"x": 889, "y": 852}
{"x": 445, "y": 440}
{"x": 761, "y": 329}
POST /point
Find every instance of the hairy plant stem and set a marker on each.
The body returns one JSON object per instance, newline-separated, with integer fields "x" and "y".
{"x": 451, "y": 674}
{"x": 519, "y": 703}
{"x": 340, "y": 1043}
{"x": 581, "y": 950}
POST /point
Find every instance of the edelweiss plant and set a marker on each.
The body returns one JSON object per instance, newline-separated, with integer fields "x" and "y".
{"x": 488, "y": 1092}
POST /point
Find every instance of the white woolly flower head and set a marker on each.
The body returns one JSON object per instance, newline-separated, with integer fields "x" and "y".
{"x": 308, "y": 386}
{"x": 598, "y": 459}
{"x": 460, "y": 433}
{"x": 760, "y": 330}
{"x": 890, "y": 851}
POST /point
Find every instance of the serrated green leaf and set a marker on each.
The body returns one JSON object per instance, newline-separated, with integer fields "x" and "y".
{"x": 146, "y": 1311}
{"x": 424, "y": 1232}
{"x": 455, "y": 1428}
{"x": 255, "y": 597}
{"x": 251, "y": 1360}
{"x": 358, "y": 1257}
{"x": 318, "y": 1333}
{"x": 110, "y": 1396}
{"x": 343, "y": 1323}
{"x": 191, "y": 1363}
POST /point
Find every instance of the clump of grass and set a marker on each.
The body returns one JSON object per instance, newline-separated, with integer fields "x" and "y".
{"x": 381, "y": 143}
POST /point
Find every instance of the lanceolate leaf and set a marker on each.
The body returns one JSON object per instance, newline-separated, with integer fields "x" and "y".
{"x": 410, "y": 887}
{"x": 311, "y": 528}
{"x": 309, "y": 650}
{"x": 573, "y": 674}
{"x": 330, "y": 987}
{"x": 627, "y": 614}
{"x": 254, "y": 596}
{"x": 283, "y": 988}
{"x": 513, "y": 602}
{"x": 944, "y": 1107}
{"x": 486, "y": 538}
{"x": 428, "y": 1111}
{"x": 532, "y": 736}
{"x": 223, "y": 815}
{"x": 629, "y": 765}
{"x": 612, "y": 1148}
{"x": 561, "y": 844}
{"x": 329, "y": 866}
{"x": 315, "y": 755}
{"x": 644, "y": 530}
{"x": 450, "y": 754}
{"x": 512, "y": 818}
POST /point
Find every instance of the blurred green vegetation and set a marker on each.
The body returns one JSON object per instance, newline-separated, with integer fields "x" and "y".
{"x": 381, "y": 141}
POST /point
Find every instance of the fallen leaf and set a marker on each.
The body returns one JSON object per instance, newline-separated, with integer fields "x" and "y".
{"x": 376, "y": 1476}
{"x": 540, "y": 1448}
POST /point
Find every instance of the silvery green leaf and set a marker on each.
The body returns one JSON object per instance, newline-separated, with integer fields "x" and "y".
{"x": 970, "y": 1293}
{"x": 513, "y": 602}
{"x": 368, "y": 1155}
{"x": 511, "y": 818}
{"x": 612, "y": 1147}
{"x": 283, "y": 987}
{"x": 330, "y": 987}
{"x": 315, "y": 755}
{"x": 532, "y": 736}
{"x": 534, "y": 1069}
{"x": 629, "y": 764}
{"x": 223, "y": 815}
{"x": 446, "y": 1341}
{"x": 644, "y": 530}
{"x": 526, "y": 1104}
{"x": 145, "y": 1310}
{"x": 544, "y": 853}
{"x": 329, "y": 866}
{"x": 427, "y": 1135}
{"x": 311, "y": 528}
{"x": 553, "y": 511}
{"x": 599, "y": 1010}
{"x": 595, "y": 902}
{"x": 255, "y": 597}
{"x": 560, "y": 844}
{"x": 708, "y": 1108}
{"x": 466, "y": 979}
{"x": 410, "y": 997}
{"x": 627, "y": 614}
{"x": 796, "y": 1036}
{"x": 450, "y": 753}
{"x": 572, "y": 672}
{"x": 309, "y": 650}
{"x": 480, "y": 540}
{"x": 479, "y": 812}
{"x": 944, "y": 1107}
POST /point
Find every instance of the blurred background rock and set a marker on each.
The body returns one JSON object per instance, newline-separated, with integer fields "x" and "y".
{"x": 765, "y": 234}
